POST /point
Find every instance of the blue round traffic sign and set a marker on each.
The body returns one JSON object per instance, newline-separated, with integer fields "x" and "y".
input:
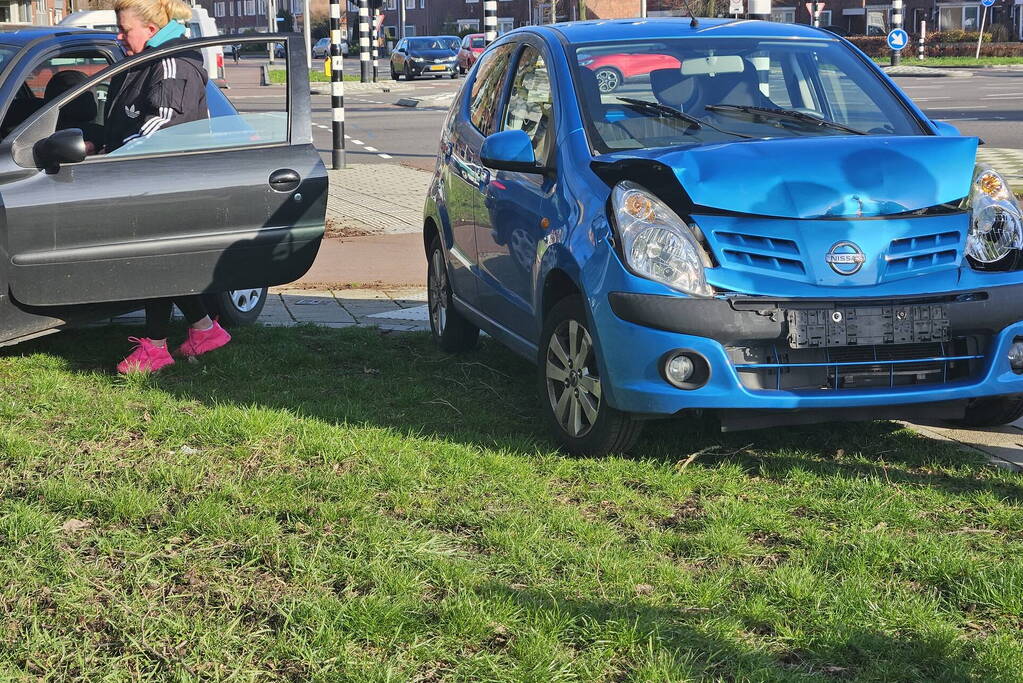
{"x": 897, "y": 39}
{"x": 987, "y": 3}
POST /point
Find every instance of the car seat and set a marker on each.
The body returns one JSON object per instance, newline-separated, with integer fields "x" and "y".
{"x": 741, "y": 89}
{"x": 22, "y": 106}
{"x": 78, "y": 113}
{"x": 670, "y": 87}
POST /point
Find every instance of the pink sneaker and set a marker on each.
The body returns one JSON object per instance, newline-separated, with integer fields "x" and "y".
{"x": 145, "y": 357}
{"x": 204, "y": 341}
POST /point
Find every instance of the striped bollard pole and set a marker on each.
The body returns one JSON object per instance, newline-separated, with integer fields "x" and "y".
{"x": 376, "y": 43}
{"x": 489, "y": 21}
{"x": 364, "y": 41}
{"x": 896, "y": 23}
{"x": 337, "y": 87}
{"x": 923, "y": 37}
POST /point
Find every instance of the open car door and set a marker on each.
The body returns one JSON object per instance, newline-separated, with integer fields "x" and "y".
{"x": 230, "y": 202}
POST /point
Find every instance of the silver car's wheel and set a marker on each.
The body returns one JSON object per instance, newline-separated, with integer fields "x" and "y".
{"x": 237, "y": 306}
{"x": 573, "y": 385}
{"x": 246, "y": 300}
{"x": 608, "y": 79}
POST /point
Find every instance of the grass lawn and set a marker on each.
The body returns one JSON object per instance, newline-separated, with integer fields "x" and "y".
{"x": 911, "y": 60}
{"x": 313, "y": 504}
{"x": 316, "y": 75}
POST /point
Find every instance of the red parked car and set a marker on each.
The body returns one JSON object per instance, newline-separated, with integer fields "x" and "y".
{"x": 612, "y": 69}
{"x": 470, "y": 50}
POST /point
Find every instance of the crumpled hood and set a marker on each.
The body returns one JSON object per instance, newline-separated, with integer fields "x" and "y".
{"x": 814, "y": 177}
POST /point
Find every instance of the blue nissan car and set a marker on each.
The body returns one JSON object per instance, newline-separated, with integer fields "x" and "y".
{"x": 762, "y": 225}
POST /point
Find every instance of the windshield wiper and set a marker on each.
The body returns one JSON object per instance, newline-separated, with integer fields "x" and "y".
{"x": 779, "y": 113}
{"x": 667, "y": 110}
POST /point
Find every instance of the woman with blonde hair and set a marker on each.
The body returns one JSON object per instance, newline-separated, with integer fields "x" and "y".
{"x": 143, "y": 100}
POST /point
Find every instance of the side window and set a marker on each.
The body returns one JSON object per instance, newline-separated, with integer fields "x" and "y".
{"x": 166, "y": 105}
{"x": 848, "y": 102}
{"x": 51, "y": 78}
{"x": 486, "y": 88}
{"x": 530, "y": 104}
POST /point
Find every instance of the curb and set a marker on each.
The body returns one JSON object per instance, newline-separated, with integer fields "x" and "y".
{"x": 905, "y": 71}
{"x": 355, "y": 87}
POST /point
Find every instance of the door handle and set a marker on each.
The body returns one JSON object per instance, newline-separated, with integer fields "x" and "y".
{"x": 285, "y": 180}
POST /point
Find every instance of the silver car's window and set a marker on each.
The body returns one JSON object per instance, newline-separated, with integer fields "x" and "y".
{"x": 819, "y": 78}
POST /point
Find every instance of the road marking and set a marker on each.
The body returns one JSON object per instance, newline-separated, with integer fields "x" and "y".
{"x": 385, "y": 156}
{"x": 928, "y": 99}
{"x": 358, "y": 142}
{"x": 370, "y": 149}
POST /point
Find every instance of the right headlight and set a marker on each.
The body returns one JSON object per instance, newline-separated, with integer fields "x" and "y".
{"x": 996, "y": 223}
{"x": 656, "y": 243}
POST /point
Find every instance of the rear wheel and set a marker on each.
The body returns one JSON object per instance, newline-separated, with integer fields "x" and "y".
{"x": 992, "y": 412}
{"x": 236, "y": 307}
{"x": 451, "y": 330}
{"x": 571, "y": 394}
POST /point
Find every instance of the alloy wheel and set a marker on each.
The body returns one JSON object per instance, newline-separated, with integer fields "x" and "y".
{"x": 607, "y": 80}
{"x": 573, "y": 384}
{"x": 437, "y": 293}
{"x": 245, "y": 299}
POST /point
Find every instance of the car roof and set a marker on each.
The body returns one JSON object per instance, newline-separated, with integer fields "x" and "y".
{"x": 679, "y": 27}
{"x": 23, "y": 35}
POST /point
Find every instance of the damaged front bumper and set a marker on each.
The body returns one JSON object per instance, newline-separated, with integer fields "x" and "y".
{"x": 775, "y": 360}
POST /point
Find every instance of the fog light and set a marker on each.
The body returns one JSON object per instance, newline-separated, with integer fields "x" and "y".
{"x": 679, "y": 369}
{"x": 685, "y": 369}
{"x": 1016, "y": 357}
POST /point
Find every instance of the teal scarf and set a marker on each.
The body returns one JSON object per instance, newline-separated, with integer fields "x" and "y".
{"x": 173, "y": 29}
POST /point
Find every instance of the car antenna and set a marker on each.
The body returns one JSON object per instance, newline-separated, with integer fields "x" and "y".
{"x": 693, "y": 22}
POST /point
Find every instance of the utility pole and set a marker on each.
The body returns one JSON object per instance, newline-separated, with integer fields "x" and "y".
{"x": 760, "y": 9}
{"x": 364, "y": 74}
{"x": 642, "y": 8}
{"x": 489, "y": 21}
{"x": 271, "y": 26}
{"x": 401, "y": 19}
{"x": 896, "y": 24}
{"x": 337, "y": 87}
{"x": 376, "y": 40}
{"x": 307, "y": 34}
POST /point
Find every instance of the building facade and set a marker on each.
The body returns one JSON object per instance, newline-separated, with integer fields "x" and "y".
{"x": 38, "y": 12}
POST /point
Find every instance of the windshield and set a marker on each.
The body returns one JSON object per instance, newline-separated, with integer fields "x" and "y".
{"x": 452, "y": 43}
{"x": 475, "y": 43}
{"x": 424, "y": 44}
{"x": 820, "y": 86}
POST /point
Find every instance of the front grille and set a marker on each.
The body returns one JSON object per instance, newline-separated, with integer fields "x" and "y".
{"x": 757, "y": 251}
{"x": 774, "y": 367}
{"x": 915, "y": 254}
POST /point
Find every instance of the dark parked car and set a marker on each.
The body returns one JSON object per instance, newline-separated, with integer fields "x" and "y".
{"x": 224, "y": 206}
{"x": 423, "y": 56}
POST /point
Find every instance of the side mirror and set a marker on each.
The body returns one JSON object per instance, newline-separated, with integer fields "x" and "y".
{"x": 510, "y": 150}
{"x": 63, "y": 147}
{"x": 946, "y": 129}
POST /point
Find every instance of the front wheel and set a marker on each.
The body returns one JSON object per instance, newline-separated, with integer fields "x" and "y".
{"x": 571, "y": 394}
{"x": 236, "y": 307}
{"x": 992, "y": 412}
{"x": 451, "y": 330}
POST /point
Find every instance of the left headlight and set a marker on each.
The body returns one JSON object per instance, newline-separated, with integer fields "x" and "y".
{"x": 656, "y": 243}
{"x": 996, "y": 223}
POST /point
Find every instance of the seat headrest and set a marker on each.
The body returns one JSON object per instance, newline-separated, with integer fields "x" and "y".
{"x": 591, "y": 92}
{"x": 671, "y": 87}
{"x": 82, "y": 108}
{"x": 733, "y": 88}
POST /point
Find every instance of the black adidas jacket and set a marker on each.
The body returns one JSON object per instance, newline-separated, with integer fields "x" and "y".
{"x": 154, "y": 96}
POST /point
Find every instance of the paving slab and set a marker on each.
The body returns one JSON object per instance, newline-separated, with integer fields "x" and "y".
{"x": 376, "y": 199}
{"x": 388, "y": 262}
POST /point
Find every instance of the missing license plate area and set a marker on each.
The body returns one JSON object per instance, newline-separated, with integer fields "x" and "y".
{"x": 867, "y": 325}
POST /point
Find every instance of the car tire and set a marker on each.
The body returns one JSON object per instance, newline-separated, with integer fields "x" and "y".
{"x": 408, "y": 73}
{"x": 992, "y": 412}
{"x": 600, "y": 429}
{"x": 394, "y": 74}
{"x": 236, "y": 307}
{"x": 609, "y": 79}
{"x": 451, "y": 330}
{"x": 454, "y": 75}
